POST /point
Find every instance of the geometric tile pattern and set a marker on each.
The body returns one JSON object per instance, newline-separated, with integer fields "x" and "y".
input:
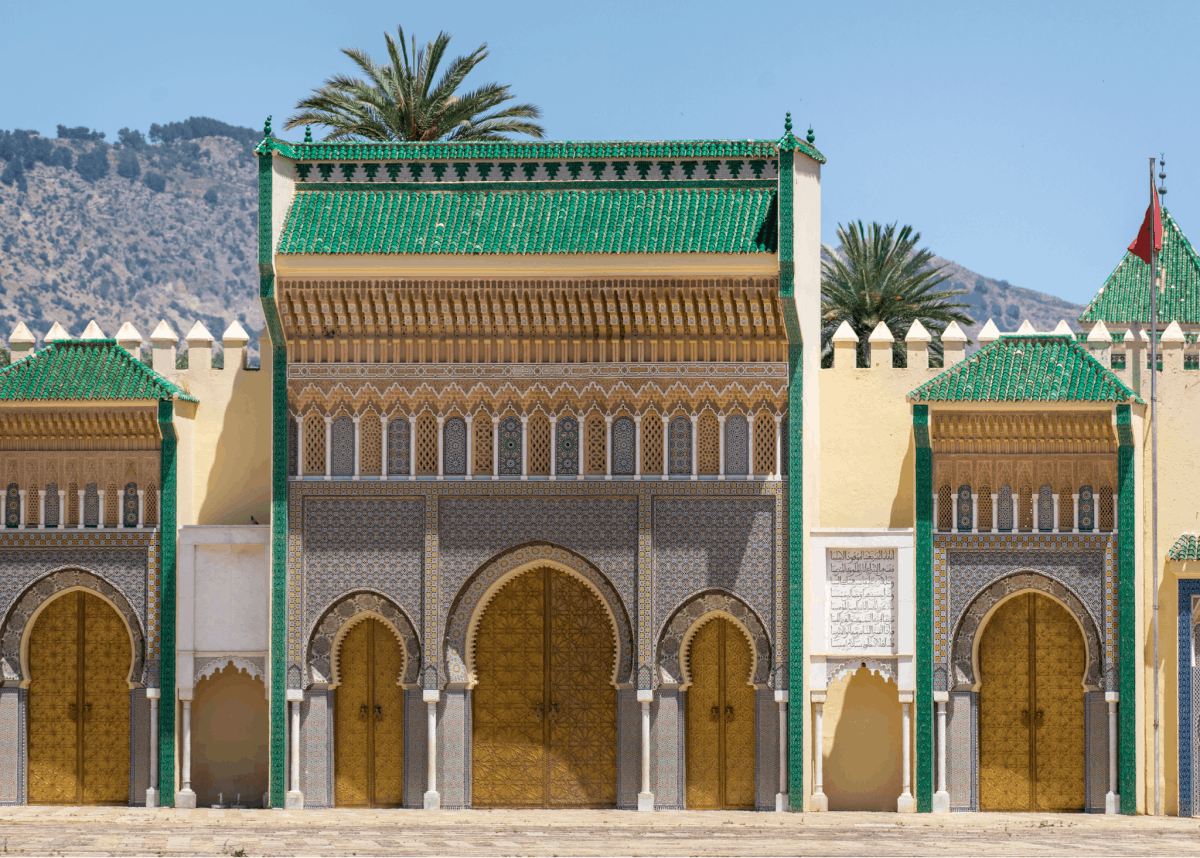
{"x": 737, "y": 446}
{"x": 567, "y": 447}
{"x": 623, "y": 446}
{"x": 670, "y": 648}
{"x": 454, "y": 453}
{"x": 343, "y": 447}
{"x": 348, "y": 612}
{"x": 1189, "y": 686}
{"x": 509, "y": 439}
{"x": 680, "y": 446}
{"x": 398, "y": 444}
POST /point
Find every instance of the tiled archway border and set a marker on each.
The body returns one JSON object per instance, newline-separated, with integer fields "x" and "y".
{"x": 690, "y": 614}
{"x": 347, "y": 611}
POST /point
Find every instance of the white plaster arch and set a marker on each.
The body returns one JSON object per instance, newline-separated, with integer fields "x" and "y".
{"x": 851, "y": 665}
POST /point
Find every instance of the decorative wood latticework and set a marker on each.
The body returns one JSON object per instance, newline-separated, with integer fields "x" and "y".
{"x": 1023, "y": 432}
{"x": 79, "y": 429}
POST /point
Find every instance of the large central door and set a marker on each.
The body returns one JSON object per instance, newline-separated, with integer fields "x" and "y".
{"x": 544, "y": 709}
{"x": 369, "y": 719}
{"x": 1031, "y": 743}
{"x": 720, "y": 720}
{"x": 79, "y": 657}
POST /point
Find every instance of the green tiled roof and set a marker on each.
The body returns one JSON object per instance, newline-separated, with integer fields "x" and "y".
{"x": 520, "y": 150}
{"x": 659, "y": 220}
{"x": 84, "y": 369}
{"x": 1186, "y": 547}
{"x": 1125, "y": 296}
{"x": 1035, "y": 368}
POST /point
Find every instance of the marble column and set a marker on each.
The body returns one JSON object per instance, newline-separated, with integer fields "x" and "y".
{"x": 152, "y": 694}
{"x": 384, "y": 464}
{"x": 721, "y": 446}
{"x": 101, "y": 512}
{"x": 782, "y": 801}
{"x": 695, "y": 444}
{"x": 554, "y": 447}
{"x": 819, "y": 800}
{"x": 294, "y": 800}
{"x": 328, "y": 447}
{"x": 779, "y": 446}
{"x": 941, "y": 798}
{"x": 433, "y": 799}
{"x": 637, "y": 447}
{"x": 666, "y": 446}
{"x": 412, "y": 446}
{"x": 141, "y": 507}
{"x": 750, "y": 447}
{"x": 41, "y": 509}
{"x": 441, "y": 444}
{"x": 645, "y": 797}
{"x": 608, "y": 421}
{"x": 1112, "y": 800}
{"x": 357, "y": 444}
{"x": 186, "y": 797}
{"x": 495, "y": 447}
{"x": 525, "y": 447}
{"x": 469, "y": 420}
{"x": 906, "y": 803}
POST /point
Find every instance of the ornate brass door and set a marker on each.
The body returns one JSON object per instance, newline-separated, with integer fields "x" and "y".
{"x": 1031, "y": 743}
{"x": 720, "y": 720}
{"x": 369, "y": 719}
{"x": 79, "y": 657}
{"x": 544, "y": 709}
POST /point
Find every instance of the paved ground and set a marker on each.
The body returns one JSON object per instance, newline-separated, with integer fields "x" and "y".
{"x": 136, "y": 831}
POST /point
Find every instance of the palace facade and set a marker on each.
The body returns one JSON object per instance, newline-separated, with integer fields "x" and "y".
{"x": 539, "y": 497}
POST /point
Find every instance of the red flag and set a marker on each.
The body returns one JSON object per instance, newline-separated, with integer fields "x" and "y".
{"x": 1141, "y": 245}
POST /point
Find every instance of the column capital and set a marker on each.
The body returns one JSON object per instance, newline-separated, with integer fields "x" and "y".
{"x": 328, "y": 420}
{"x": 356, "y": 418}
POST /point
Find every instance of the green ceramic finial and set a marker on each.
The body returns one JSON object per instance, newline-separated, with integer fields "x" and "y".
{"x": 787, "y": 123}
{"x": 267, "y": 127}
{"x": 307, "y": 133}
{"x": 811, "y": 137}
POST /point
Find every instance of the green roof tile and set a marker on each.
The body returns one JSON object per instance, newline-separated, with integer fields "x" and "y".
{"x": 1125, "y": 296}
{"x": 83, "y": 370}
{"x": 1186, "y": 547}
{"x": 660, "y": 220}
{"x": 1036, "y": 368}
{"x": 442, "y": 151}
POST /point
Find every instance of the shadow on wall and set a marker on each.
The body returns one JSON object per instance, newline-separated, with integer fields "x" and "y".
{"x": 863, "y": 754}
{"x": 229, "y": 738}
{"x": 904, "y": 508}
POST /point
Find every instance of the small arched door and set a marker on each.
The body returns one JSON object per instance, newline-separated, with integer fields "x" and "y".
{"x": 79, "y": 661}
{"x": 1032, "y": 659}
{"x": 720, "y": 719}
{"x": 369, "y": 719}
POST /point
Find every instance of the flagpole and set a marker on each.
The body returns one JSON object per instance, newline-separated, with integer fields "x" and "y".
{"x": 1154, "y": 474}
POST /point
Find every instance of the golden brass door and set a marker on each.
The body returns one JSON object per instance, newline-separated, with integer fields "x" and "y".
{"x": 79, "y": 657}
{"x": 720, "y": 720}
{"x": 544, "y": 709}
{"x": 1031, "y": 742}
{"x": 369, "y": 719}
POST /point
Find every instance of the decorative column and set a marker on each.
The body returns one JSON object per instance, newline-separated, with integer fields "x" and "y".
{"x": 995, "y": 515}
{"x": 579, "y": 458}
{"x": 433, "y": 800}
{"x": 141, "y": 507}
{"x": 941, "y": 798}
{"x": 1075, "y": 512}
{"x": 666, "y": 446}
{"x": 975, "y": 512}
{"x": 101, "y": 513}
{"x": 294, "y": 799}
{"x": 608, "y": 446}
{"x": 906, "y": 803}
{"x": 695, "y": 442}
{"x": 185, "y": 797}
{"x": 21, "y": 521}
{"x": 779, "y": 446}
{"x": 80, "y": 522}
{"x": 1112, "y": 800}
{"x": 781, "y": 797}
{"x": 1016, "y": 511}
{"x": 935, "y": 511}
{"x": 495, "y": 447}
{"x": 412, "y": 446}
{"x": 357, "y": 436}
{"x": 637, "y": 447}
{"x": 383, "y": 456}
{"x": 819, "y": 800}
{"x": 1055, "y": 528}
{"x": 299, "y": 445}
{"x": 470, "y": 421}
{"x": 328, "y": 447}
{"x": 645, "y": 797}
{"x": 525, "y": 447}
{"x": 721, "y": 446}
{"x": 554, "y": 447}
{"x": 954, "y": 511}
{"x": 750, "y": 448}
{"x": 441, "y": 433}
{"x": 1034, "y": 503}
{"x": 152, "y": 792}
{"x": 62, "y": 507}
{"x": 41, "y": 509}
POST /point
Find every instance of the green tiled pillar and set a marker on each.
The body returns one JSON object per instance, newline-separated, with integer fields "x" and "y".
{"x": 1126, "y": 611}
{"x": 168, "y": 480}
{"x": 925, "y": 738}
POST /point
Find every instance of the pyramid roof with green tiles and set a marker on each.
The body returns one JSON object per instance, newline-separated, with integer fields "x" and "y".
{"x": 1124, "y": 298}
{"x": 85, "y": 370}
{"x": 1027, "y": 368}
{"x": 532, "y": 197}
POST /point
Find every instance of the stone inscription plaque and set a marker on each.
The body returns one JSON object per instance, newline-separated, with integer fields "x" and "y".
{"x": 861, "y": 598}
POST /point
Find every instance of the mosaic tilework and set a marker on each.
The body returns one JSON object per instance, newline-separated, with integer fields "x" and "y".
{"x": 349, "y": 611}
{"x": 12, "y": 506}
{"x": 91, "y": 506}
{"x": 509, "y": 435}
{"x": 316, "y": 747}
{"x": 629, "y": 748}
{"x": 766, "y": 749}
{"x": 52, "y": 507}
{"x": 1188, "y": 594}
{"x": 566, "y": 450}
{"x": 362, "y": 544}
{"x": 398, "y": 447}
{"x": 680, "y": 446}
{"x": 667, "y": 742}
{"x": 1087, "y": 509}
{"x": 454, "y": 743}
{"x": 129, "y": 505}
{"x": 623, "y": 443}
{"x": 1004, "y": 513}
{"x": 416, "y": 748}
{"x": 342, "y": 457}
{"x": 454, "y": 447}
{"x": 645, "y": 599}
{"x": 737, "y": 446}
{"x": 1045, "y": 502}
{"x": 12, "y": 746}
{"x": 962, "y": 751}
{"x": 964, "y": 508}
{"x": 715, "y": 543}
{"x": 670, "y": 648}
{"x": 292, "y": 441}
{"x": 139, "y": 746}
{"x": 1095, "y": 720}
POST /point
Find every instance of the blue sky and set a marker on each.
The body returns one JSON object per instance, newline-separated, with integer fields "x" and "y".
{"x": 1014, "y": 136}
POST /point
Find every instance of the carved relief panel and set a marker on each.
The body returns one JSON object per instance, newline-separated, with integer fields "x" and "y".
{"x": 861, "y": 599}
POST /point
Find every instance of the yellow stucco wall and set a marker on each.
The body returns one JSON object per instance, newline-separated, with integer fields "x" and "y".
{"x": 229, "y": 739}
{"x": 863, "y": 765}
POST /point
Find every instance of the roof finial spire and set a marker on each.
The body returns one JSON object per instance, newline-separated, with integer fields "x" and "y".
{"x": 267, "y": 127}
{"x": 1162, "y": 174}
{"x": 812, "y": 138}
{"x": 307, "y": 133}
{"x": 787, "y": 123}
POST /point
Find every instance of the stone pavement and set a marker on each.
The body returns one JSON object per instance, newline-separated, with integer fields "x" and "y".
{"x": 137, "y": 831}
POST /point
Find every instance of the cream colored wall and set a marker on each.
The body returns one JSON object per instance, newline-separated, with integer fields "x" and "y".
{"x": 863, "y": 766}
{"x": 229, "y": 739}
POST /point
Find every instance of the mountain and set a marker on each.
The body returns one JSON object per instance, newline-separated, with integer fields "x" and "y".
{"x": 140, "y": 231}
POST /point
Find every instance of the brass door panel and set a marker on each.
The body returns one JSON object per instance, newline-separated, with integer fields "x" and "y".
{"x": 544, "y": 707}
{"x": 79, "y": 656}
{"x": 720, "y": 720}
{"x": 369, "y": 719}
{"x": 1031, "y": 743}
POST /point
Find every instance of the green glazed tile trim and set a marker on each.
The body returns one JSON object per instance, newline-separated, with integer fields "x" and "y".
{"x": 632, "y": 220}
{"x": 787, "y": 251}
{"x": 278, "y": 737}
{"x": 1017, "y": 368}
{"x": 530, "y": 187}
{"x": 798, "y": 704}
{"x": 1186, "y": 547}
{"x": 1126, "y": 613}
{"x": 84, "y": 370}
{"x": 1125, "y": 296}
{"x": 926, "y": 740}
{"x": 167, "y": 521}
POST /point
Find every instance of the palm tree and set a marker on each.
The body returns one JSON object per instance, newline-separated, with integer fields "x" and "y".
{"x": 880, "y": 276}
{"x": 402, "y": 101}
